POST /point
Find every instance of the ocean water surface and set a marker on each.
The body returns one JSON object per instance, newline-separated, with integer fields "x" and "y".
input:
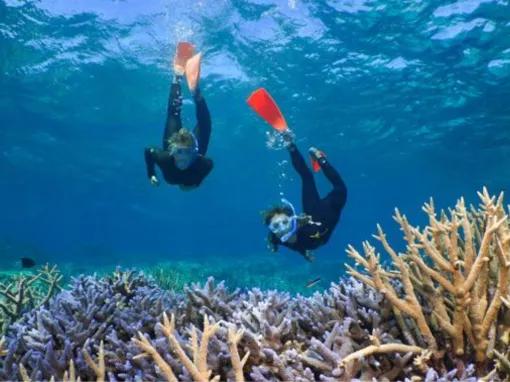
{"x": 409, "y": 99}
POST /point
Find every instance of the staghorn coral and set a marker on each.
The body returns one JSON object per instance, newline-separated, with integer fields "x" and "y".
{"x": 3, "y": 352}
{"x": 73, "y": 324}
{"x": 198, "y": 367}
{"x": 453, "y": 278}
{"x": 26, "y": 291}
{"x": 211, "y": 299}
{"x": 98, "y": 367}
{"x": 257, "y": 335}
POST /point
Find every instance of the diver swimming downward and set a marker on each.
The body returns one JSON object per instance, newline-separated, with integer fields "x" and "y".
{"x": 182, "y": 159}
{"x": 313, "y": 228}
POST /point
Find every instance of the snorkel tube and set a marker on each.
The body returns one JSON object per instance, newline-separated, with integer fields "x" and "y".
{"x": 293, "y": 219}
{"x": 195, "y": 143}
{"x": 194, "y": 150}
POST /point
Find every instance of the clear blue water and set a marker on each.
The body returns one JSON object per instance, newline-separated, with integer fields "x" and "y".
{"x": 410, "y": 99}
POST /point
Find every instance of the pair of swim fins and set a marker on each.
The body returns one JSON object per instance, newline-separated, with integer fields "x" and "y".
{"x": 265, "y": 106}
{"x": 188, "y": 63}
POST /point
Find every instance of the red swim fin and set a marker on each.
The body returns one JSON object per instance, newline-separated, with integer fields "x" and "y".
{"x": 193, "y": 71}
{"x": 183, "y": 53}
{"x": 264, "y": 105}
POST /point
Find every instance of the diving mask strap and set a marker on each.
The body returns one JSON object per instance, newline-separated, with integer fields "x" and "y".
{"x": 293, "y": 218}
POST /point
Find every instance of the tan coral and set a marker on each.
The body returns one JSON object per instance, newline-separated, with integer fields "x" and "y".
{"x": 70, "y": 374}
{"x": 378, "y": 348}
{"x": 237, "y": 364}
{"x": 458, "y": 265}
{"x": 3, "y": 350}
{"x": 197, "y": 366}
{"x": 23, "y": 373}
{"x": 98, "y": 367}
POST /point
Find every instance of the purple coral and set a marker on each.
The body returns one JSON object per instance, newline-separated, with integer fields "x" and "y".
{"x": 277, "y": 336}
{"x": 111, "y": 309}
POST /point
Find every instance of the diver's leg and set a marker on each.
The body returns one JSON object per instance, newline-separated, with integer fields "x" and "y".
{"x": 338, "y": 196}
{"x": 310, "y": 195}
{"x": 173, "y": 114}
{"x": 203, "y": 129}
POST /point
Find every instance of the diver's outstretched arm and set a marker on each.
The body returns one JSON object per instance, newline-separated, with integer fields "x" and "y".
{"x": 203, "y": 129}
{"x": 151, "y": 155}
{"x": 173, "y": 114}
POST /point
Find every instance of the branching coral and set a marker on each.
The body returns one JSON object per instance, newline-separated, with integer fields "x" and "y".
{"x": 3, "y": 352}
{"x": 258, "y": 335}
{"x": 73, "y": 324}
{"x": 454, "y": 278}
{"x": 198, "y": 366}
{"x": 25, "y": 292}
{"x": 237, "y": 363}
{"x": 70, "y": 374}
{"x": 378, "y": 348}
{"x": 98, "y": 367}
{"x": 211, "y": 299}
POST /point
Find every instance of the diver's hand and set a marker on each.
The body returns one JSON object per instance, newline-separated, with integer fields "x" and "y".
{"x": 272, "y": 247}
{"x": 308, "y": 255}
{"x": 154, "y": 181}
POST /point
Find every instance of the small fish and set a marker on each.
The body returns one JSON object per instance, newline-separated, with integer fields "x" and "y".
{"x": 313, "y": 282}
{"x": 27, "y": 262}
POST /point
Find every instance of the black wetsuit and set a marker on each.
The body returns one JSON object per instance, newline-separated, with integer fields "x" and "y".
{"x": 202, "y": 166}
{"x": 325, "y": 211}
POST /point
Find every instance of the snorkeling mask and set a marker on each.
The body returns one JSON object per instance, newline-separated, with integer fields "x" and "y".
{"x": 283, "y": 225}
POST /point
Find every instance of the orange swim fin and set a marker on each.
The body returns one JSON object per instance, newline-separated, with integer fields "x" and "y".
{"x": 264, "y": 105}
{"x": 183, "y": 53}
{"x": 193, "y": 71}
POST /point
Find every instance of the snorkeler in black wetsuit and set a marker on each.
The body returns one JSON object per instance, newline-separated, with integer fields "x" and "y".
{"x": 182, "y": 159}
{"x": 314, "y": 227}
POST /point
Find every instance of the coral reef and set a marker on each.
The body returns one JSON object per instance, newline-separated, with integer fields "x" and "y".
{"x": 441, "y": 314}
{"x": 453, "y": 284}
{"x": 75, "y": 323}
{"x": 24, "y": 291}
{"x": 257, "y": 335}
